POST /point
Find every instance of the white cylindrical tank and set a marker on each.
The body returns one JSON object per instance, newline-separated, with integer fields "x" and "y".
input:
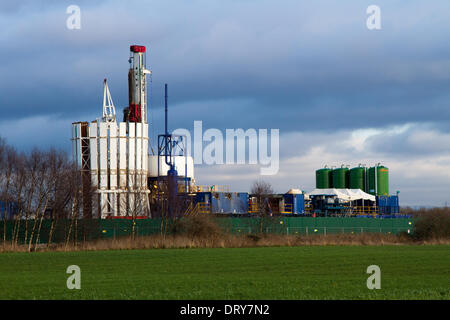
{"x": 180, "y": 166}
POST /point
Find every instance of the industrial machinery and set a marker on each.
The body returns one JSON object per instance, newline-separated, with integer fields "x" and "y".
{"x": 137, "y": 86}
{"x": 171, "y": 172}
{"x": 120, "y": 179}
{"x": 373, "y": 182}
{"x": 113, "y": 156}
{"x": 356, "y": 178}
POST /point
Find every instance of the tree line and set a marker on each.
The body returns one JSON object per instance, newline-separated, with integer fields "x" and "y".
{"x": 40, "y": 184}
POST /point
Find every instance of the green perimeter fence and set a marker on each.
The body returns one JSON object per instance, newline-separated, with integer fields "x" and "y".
{"x": 87, "y": 230}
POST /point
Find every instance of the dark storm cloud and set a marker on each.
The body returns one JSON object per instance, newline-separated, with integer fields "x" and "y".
{"x": 309, "y": 68}
{"x": 290, "y": 65}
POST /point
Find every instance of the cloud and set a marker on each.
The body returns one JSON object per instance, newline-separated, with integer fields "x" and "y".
{"x": 418, "y": 140}
{"x": 293, "y": 60}
{"x": 423, "y": 178}
{"x": 338, "y": 92}
{"x": 40, "y": 131}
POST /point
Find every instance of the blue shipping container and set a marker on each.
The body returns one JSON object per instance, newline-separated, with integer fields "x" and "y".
{"x": 300, "y": 204}
{"x": 295, "y": 203}
{"x": 394, "y": 207}
{"x": 225, "y": 202}
{"x": 239, "y": 203}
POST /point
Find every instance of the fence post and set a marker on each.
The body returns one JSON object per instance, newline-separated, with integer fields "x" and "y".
{"x": 362, "y": 230}
{"x": 306, "y": 230}
{"x": 325, "y": 230}
{"x": 287, "y": 230}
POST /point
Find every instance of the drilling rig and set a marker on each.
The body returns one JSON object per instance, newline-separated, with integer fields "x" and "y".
{"x": 113, "y": 156}
{"x": 137, "y": 86}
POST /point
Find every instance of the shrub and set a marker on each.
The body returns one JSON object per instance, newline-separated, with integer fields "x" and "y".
{"x": 432, "y": 224}
{"x": 201, "y": 226}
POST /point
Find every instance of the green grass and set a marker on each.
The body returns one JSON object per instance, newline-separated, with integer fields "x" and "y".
{"x": 332, "y": 272}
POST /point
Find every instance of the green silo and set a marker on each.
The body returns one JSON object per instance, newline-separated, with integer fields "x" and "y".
{"x": 340, "y": 178}
{"x": 382, "y": 181}
{"x": 323, "y": 178}
{"x": 357, "y": 178}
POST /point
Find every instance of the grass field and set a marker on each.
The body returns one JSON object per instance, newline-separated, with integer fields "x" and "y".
{"x": 309, "y": 272}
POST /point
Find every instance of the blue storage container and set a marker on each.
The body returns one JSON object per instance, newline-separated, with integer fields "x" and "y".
{"x": 239, "y": 204}
{"x": 203, "y": 197}
{"x": 227, "y": 202}
{"x": 300, "y": 204}
{"x": 394, "y": 207}
{"x": 224, "y": 202}
{"x": 383, "y": 201}
{"x": 216, "y": 203}
{"x": 294, "y": 203}
{"x": 393, "y": 201}
{"x": 383, "y": 204}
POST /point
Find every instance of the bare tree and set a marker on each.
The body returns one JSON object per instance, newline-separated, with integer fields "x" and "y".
{"x": 41, "y": 185}
{"x": 3, "y": 182}
{"x": 261, "y": 191}
{"x": 11, "y": 176}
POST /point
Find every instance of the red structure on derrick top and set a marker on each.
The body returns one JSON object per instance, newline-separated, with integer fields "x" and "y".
{"x": 136, "y": 48}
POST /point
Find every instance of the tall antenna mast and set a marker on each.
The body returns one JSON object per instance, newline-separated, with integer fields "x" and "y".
{"x": 109, "y": 111}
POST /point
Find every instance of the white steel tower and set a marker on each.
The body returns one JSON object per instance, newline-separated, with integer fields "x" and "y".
{"x": 112, "y": 156}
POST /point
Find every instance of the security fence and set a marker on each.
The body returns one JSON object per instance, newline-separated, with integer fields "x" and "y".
{"x": 38, "y": 232}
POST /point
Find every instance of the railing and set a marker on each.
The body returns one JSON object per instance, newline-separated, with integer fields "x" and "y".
{"x": 203, "y": 207}
{"x": 308, "y": 208}
{"x": 200, "y": 207}
{"x": 355, "y": 211}
{"x": 288, "y": 208}
{"x": 365, "y": 211}
{"x": 211, "y": 188}
{"x": 189, "y": 211}
{"x": 253, "y": 207}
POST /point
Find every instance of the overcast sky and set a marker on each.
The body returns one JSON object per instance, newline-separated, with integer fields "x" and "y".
{"x": 338, "y": 92}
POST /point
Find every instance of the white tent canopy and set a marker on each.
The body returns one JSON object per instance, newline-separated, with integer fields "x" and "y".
{"x": 346, "y": 194}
